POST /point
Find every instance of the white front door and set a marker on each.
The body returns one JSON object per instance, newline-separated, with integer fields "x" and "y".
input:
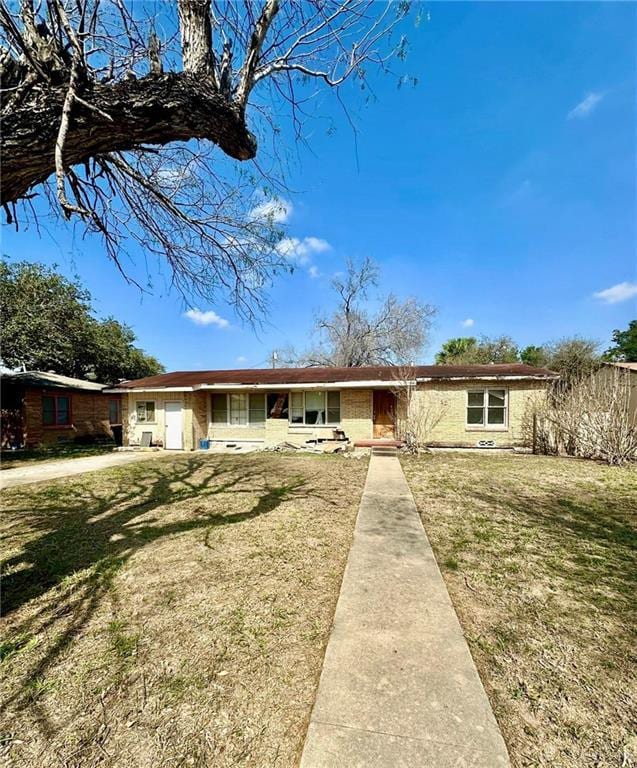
{"x": 174, "y": 435}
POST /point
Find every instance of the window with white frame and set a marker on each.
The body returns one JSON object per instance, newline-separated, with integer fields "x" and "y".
{"x": 315, "y": 408}
{"x": 145, "y": 410}
{"x": 238, "y": 409}
{"x": 487, "y": 408}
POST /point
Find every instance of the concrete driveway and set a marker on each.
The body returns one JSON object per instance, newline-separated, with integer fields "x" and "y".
{"x": 52, "y": 470}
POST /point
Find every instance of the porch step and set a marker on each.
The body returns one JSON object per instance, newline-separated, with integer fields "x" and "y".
{"x": 378, "y": 443}
{"x": 384, "y": 450}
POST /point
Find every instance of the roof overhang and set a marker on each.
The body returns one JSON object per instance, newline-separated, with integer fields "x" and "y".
{"x": 371, "y": 384}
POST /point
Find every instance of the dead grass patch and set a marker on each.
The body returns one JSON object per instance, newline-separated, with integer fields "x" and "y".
{"x": 172, "y": 612}
{"x": 539, "y": 557}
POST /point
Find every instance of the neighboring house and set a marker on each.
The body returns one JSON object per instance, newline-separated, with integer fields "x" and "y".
{"x": 471, "y": 403}
{"x": 41, "y": 408}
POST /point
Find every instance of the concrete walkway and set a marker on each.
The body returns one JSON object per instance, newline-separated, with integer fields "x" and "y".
{"x": 52, "y": 470}
{"x": 399, "y": 686}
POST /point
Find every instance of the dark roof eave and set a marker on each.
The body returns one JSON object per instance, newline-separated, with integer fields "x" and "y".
{"x": 351, "y": 377}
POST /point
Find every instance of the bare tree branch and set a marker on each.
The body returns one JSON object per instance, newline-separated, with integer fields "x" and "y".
{"x": 96, "y": 95}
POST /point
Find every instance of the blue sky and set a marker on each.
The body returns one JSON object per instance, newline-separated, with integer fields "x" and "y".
{"x": 501, "y": 189}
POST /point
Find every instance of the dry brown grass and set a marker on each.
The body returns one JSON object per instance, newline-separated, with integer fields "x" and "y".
{"x": 539, "y": 557}
{"x": 172, "y": 612}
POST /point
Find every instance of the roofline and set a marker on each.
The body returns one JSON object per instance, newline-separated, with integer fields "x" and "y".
{"x": 332, "y": 384}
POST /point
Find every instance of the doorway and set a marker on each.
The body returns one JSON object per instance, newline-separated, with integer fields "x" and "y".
{"x": 384, "y": 418}
{"x": 174, "y": 430}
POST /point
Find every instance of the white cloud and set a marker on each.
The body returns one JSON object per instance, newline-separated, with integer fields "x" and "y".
{"x": 586, "y": 106}
{"x": 468, "y": 323}
{"x": 301, "y": 249}
{"x": 241, "y": 359}
{"x": 274, "y": 211}
{"x": 313, "y": 271}
{"x": 617, "y": 293}
{"x": 206, "y": 318}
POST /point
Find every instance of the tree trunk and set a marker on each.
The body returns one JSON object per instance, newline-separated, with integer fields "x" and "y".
{"x": 156, "y": 109}
{"x": 196, "y": 35}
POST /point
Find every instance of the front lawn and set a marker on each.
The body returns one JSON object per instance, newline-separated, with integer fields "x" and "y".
{"x": 539, "y": 556}
{"x": 172, "y": 612}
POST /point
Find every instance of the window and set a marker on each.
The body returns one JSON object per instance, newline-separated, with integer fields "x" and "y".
{"x": 277, "y": 405}
{"x": 220, "y": 409}
{"x": 238, "y": 409}
{"x": 56, "y": 410}
{"x": 333, "y": 407}
{"x": 145, "y": 411}
{"x": 114, "y": 412}
{"x": 296, "y": 408}
{"x": 487, "y": 408}
{"x": 315, "y": 408}
{"x": 256, "y": 413}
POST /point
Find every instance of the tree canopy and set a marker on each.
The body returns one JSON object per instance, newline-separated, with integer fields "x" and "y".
{"x": 468, "y": 350}
{"x": 571, "y": 357}
{"x": 47, "y": 323}
{"x": 121, "y": 113}
{"x": 624, "y": 348}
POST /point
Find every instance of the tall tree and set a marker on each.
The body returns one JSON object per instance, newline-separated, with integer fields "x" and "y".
{"x": 468, "y": 350}
{"x": 457, "y": 350}
{"x": 534, "y": 355}
{"x": 47, "y": 324}
{"x": 573, "y": 357}
{"x": 353, "y": 335}
{"x": 624, "y": 349}
{"x": 113, "y": 113}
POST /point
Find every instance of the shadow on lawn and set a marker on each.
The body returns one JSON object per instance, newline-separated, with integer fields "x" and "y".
{"x": 83, "y": 537}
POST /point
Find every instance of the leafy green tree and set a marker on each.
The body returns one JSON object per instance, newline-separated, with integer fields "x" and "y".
{"x": 534, "y": 355}
{"x": 467, "y": 350}
{"x": 624, "y": 349}
{"x": 47, "y": 324}
{"x": 115, "y": 357}
{"x": 456, "y": 350}
{"x": 45, "y": 319}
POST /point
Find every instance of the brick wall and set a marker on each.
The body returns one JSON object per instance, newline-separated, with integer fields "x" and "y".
{"x": 89, "y": 416}
{"x": 356, "y": 413}
{"x": 446, "y": 403}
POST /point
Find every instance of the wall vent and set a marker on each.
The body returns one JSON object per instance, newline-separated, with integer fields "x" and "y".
{"x": 486, "y": 443}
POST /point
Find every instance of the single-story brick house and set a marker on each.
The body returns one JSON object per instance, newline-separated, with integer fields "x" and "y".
{"x": 40, "y": 408}
{"x": 473, "y": 404}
